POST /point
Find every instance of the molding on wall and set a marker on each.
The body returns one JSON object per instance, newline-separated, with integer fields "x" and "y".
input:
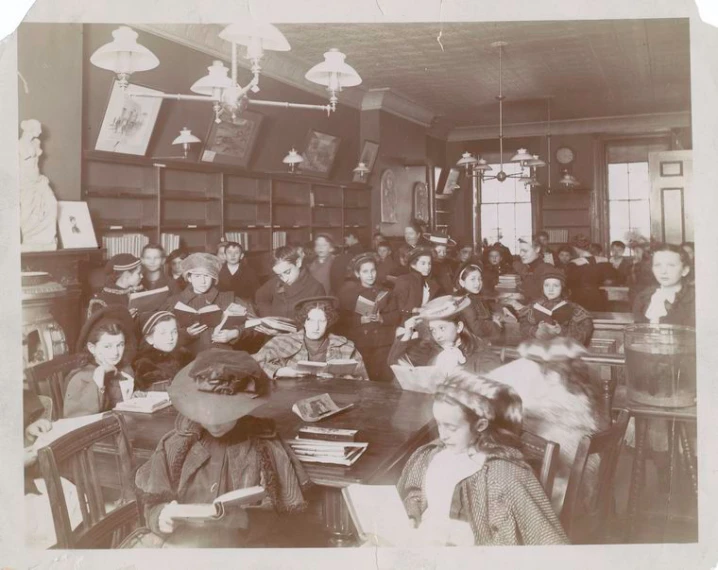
{"x": 623, "y": 125}
{"x": 385, "y": 99}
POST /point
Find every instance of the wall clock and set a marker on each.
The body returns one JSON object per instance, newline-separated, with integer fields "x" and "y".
{"x": 565, "y": 155}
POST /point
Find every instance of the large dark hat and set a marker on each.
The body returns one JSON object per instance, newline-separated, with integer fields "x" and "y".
{"x": 419, "y": 251}
{"x": 119, "y": 315}
{"x": 219, "y": 386}
{"x": 553, "y": 273}
{"x": 319, "y": 300}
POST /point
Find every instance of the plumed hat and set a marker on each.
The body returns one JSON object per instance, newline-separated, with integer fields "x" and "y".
{"x": 203, "y": 264}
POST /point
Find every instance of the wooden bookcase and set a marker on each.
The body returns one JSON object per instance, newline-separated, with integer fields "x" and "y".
{"x": 201, "y": 202}
{"x": 568, "y": 211}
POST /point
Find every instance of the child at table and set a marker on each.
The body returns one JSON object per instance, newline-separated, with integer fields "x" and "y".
{"x": 217, "y": 447}
{"x": 108, "y": 338}
{"x": 160, "y": 356}
{"x": 472, "y": 486}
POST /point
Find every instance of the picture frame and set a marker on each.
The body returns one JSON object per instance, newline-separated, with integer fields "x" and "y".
{"x": 232, "y": 142}
{"x": 452, "y": 179}
{"x": 421, "y": 202}
{"x": 388, "y": 197}
{"x": 369, "y": 154}
{"x": 320, "y": 151}
{"x": 129, "y": 121}
{"x": 75, "y": 225}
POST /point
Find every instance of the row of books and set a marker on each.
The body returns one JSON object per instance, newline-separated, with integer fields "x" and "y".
{"x": 332, "y": 446}
{"x": 125, "y": 243}
{"x": 169, "y": 242}
{"x": 279, "y": 239}
{"x": 508, "y": 282}
{"x": 242, "y": 238}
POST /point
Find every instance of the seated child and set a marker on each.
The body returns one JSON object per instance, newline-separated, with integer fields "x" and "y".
{"x": 108, "y": 338}
{"x": 237, "y": 276}
{"x": 153, "y": 275}
{"x": 160, "y": 357}
{"x": 217, "y": 447}
{"x": 123, "y": 277}
{"x": 553, "y": 315}
{"x": 479, "y": 315}
{"x": 174, "y": 268}
{"x": 472, "y": 486}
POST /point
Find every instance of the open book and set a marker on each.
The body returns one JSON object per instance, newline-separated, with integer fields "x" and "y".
{"x": 418, "y": 378}
{"x": 336, "y": 367}
{"x": 317, "y": 408}
{"x": 211, "y": 315}
{"x": 366, "y": 307}
{"x": 149, "y": 301}
{"x": 217, "y": 508}
{"x": 149, "y": 403}
{"x": 378, "y": 514}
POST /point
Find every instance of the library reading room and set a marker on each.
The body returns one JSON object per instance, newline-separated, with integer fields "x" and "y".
{"x": 372, "y": 284}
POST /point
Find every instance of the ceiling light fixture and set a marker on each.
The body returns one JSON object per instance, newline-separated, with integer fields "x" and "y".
{"x": 124, "y": 56}
{"x": 293, "y": 158}
{"x": 185, "y": 138}
{"x": 478, "y": 167}
{"x": 362, "y": 170}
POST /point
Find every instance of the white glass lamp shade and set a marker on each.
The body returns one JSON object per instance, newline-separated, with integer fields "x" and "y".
{"x": 186, "y": 137}
{"x": 123, "y": 55}
{"x": 334, "y": 72}
{"x": 568, "y": 180}
{"x": 361, "y": 169}
{"x": 535, "y": 162}
{"x": 292, "y": 158}
{"x": 250, "y": 33}
{"x": 521, "y": 155}
{"x": 529, "y": 181}
{"x": 467, "y": 160}
{"x": 216, "y": 78}
{"x": 482, "y": 166}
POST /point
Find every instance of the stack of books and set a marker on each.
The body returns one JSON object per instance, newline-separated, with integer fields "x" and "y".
{"x": 328, "y": 445}
{"x": 126, "y": 243}
{"x": 169, "y": 242}
{"x": 508, "y": 283}
{"x": 271, "y": 325}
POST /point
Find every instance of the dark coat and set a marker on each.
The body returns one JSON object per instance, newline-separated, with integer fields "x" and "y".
{"x": 621, "y": 275}
{"x": 478, "y": 318}
{"x": 384, "y": 269}
{"x": 490, "y": 274}
{"x": 155, "y": 369}
{"x": 574, "y": 320}
{"x": 276, "y": 299}
{"x": 163, "y": 281}
{"x": 444, "y": 273}
{"x": 640, "y": 278}
{"x": 681, "y": 312}
{"x": 409, "y": 290}
{"x": 243, "y": 284}
{"x": 340, "y": 270}
{"x": 531, "y": 278}
{"x": 584, "y": 277}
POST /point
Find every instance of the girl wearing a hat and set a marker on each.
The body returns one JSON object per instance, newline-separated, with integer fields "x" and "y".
{"x": 201, "y": 271}
{"x": 472, "y": 486}
{"x": 585, "y": 275}
{"x": 217, "y": 447}
{"x": 369, "y": 316}
{"x": 160, "y": 356}
{"x": 553, "y": 315}
{"x": 417, "y": 287}
{"x": 290, "y": 284}
{"x": 108, "y": 338}
{"x": 478, "y": 315}
{"x": 443, "y": 269}
{"x": 450, "y": 344}
{"x": 313, "y": 342}
{"x": 123, "y": 277}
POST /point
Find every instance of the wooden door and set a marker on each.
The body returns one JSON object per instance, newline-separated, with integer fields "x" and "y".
{"x": 671, "y": 195}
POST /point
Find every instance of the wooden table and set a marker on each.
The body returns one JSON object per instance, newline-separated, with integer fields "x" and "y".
{"x": 393, "y": 421}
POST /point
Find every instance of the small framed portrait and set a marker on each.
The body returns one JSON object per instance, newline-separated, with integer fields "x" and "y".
{"x": 320, "y": 151}
{"x": 232, "y": 141}
{"x": 75, "y": 225}
{"x": 129, "y": 121}
{"x": 369, "y": 152}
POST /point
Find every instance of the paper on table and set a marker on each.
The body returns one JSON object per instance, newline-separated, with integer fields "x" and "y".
{"x": 317, "y": 408}
{"x": 378, "y": 514}
{"x": 63, "y": 427}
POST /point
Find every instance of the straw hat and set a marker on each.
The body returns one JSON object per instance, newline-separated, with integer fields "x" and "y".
{"x": 443, "y": 307}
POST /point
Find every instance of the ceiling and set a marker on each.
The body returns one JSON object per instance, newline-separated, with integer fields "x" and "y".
{"x": 588, "y": 68}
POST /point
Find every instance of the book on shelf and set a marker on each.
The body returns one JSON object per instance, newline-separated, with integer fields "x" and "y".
{"x": 217, "y": 508}
{"x": 327, "y": 434}
{"x": 149, "y": 403}
{"x": 328, "y": 452}
{"x": 378, "y": 514}
{"x": 169, "y": 242}
{"x": 271, "y": 325}
{"x": 423, "y": 379}
{"x": 125, "y": 243}
{"x": 335, "y": 367}
{"x": 149, "y": 301}
{"x": 317, "y": 408}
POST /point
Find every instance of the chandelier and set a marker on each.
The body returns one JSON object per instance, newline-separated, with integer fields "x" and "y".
{"x": 124, "y": 56}
{"x": 478, "y": 167}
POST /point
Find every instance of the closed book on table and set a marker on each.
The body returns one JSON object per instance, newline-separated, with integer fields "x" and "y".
{"x": 327, "y": 434}
{"x": 336, "y": 367}
{"x": 148, "y": 404}
{"x": 217, "y": 508}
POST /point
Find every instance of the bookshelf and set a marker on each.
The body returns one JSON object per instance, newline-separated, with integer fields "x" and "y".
{"x": 567, "y": 211}
{"x": 202, "y": 202}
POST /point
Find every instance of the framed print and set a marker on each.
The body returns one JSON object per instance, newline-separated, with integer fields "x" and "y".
{"x": 421, "y": 202}
{"x": 232, "y": 141}
{"x": 452, "y": 180}
{"x": 369, "y": 152}
{"x": 320, "y": 151}
{"x": 75, "y": 225}
{"x": 129, "y": 121}
{"x": 388, "y": 197}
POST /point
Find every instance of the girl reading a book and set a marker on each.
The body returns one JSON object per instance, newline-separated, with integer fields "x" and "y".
{"x": 478, "y": 315}
{"x": 416, "y": 288}
{"x": 123, "y": 277}
{"x": 369, "y": 316}
{"x": 449, "y": 344}
{"x": 201, "y": 271}
{"x": 282, "y": 355}
{"x": 290, "y": 284}
{"x": 553, "y": 315}
{"x": 472, "y": 486}
{"x": 106, "y": 379}
{"x": 215, "y": 448}
{"x": 160, "y": 356}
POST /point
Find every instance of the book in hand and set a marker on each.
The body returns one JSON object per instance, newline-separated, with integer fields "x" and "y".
{"x": 329, "y": 452}
{"x": 367, "y": 308}
{"x": 418, "y": 378}
{"x": 217, "y": 508}
{"x": 211, "y": 316}
{"x": 148, "y": 403}
{"x": 317, "y": 408}
{"x": 336, "y": 367}
{"x": 327, "y": 434}
{"x": 149, "y": 301}
{"x": 378, "y": 514}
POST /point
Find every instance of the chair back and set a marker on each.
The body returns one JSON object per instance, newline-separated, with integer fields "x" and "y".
{"x": 542, "y": 455}
{"x": 97, "y": 459}
{"x": 50, "y": 379}
{"x": 585, "y": 511}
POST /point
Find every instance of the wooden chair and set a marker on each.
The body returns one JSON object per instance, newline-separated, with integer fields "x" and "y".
{"x": 75, "y": 456}
{"x": 542, "y": 455}
{"x": 50, "y": 379}
{"x": 586, "y": 523}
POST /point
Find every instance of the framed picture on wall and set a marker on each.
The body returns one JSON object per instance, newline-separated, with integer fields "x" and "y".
{"x": 421, "y": 202}
{"x": 388, "y": 197}
{"x": 369, "y": 152}
{"x": 320, "y": 151}
{"x": 452, "y": 181}
{"x": 129, "y": 121}
{"x": 232, "y": 141}
{"x": 75, "y": 225}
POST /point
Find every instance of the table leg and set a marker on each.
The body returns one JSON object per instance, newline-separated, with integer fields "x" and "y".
{"x": 687, "y": 453}
{"x": 336, "y": 518}
{"x": 637, "y": 475}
